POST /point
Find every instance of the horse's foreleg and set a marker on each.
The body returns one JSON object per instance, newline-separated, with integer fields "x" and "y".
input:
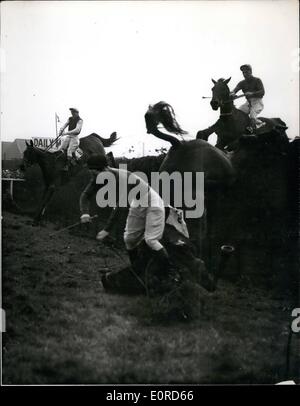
{"x": 220, "y": 145}
{"x": 197, "y": 231}
{"x": 46, "y": 199}
{"x": 204, "y": 134}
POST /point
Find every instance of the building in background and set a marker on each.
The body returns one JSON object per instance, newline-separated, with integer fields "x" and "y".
{"x": 52, "y": 144}
{"x": 13, "y": 150}
{"x": 5, "y": 145}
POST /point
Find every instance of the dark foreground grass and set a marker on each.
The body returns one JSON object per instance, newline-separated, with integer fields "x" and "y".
{"x": 63, "y": 328}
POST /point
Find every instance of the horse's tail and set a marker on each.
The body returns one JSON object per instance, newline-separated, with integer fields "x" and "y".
{"x": 107, "y": 142}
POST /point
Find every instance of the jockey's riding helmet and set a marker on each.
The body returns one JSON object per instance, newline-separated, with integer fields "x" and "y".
{"x": 246, "y": 67}
{"x": 74, "y": 109}
{"x": 96, "y": 161}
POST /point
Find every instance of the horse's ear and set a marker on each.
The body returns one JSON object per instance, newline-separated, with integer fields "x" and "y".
{"x": 31, "y": 143}
{"x": 214, "y": 82}
{"x": 227, "y": 80}
{"x": 26, "y": 143}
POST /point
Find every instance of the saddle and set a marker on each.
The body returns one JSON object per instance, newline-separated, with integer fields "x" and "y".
{"x": 174, "y": 217}
{"x": 78, "y": 154}
{"x": 272, "y": 133}
{"x": 79, "y": 157}
{"x": 270, "y": 124}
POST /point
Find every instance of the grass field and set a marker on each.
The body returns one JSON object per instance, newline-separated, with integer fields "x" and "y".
{"x": 62, "y": 327}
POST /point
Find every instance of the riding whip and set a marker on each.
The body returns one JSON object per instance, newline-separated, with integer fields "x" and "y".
{"x": 52, "y": 142}
{"x": 235, "y": 97}
{"x": 71, "y": 226}
{"x": 238, "y": 97}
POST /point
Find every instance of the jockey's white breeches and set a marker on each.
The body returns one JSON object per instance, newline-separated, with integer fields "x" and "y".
{"x": 70, "y": 144}
{"x": 145, "y": 223}
{"x": 253, "y": 107}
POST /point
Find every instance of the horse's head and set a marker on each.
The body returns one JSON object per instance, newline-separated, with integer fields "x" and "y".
{"x": 163, "y": 113}
{"x": 29, "y": 156}
{"x": 152, "y": 118}
{"x": 220, "y": 93}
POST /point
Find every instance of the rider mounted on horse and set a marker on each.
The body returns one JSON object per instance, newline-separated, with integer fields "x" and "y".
{"x": 233, "y": 123}
{"x": 254, "y": 92}
{"x": 71, "y": 142}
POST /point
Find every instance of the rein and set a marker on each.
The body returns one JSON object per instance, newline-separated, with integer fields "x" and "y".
{"x": 225, "y": 114}
{"x": 222, "y": 104}
{"x": 229, "y": 101}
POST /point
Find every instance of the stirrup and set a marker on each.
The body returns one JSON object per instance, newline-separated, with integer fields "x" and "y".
{"x": 259, "y": 125}
{"x": 72, "y": 162}
{"x": 249, "y": 130}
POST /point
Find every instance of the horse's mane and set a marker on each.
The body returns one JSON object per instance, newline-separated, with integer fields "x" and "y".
{"x": 43, "y": 151}
{"x": 167, "y": 117}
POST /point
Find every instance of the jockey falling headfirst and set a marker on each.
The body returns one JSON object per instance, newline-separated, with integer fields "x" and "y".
{"x": 71, "y": 142}
{"x": 254, "y": 91}
{"x": 146, "y": 217}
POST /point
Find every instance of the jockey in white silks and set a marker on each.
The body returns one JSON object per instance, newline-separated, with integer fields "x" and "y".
{"x": 254, "y": 91}
{"x": 144, "y": 221}
{"x": 71, "y": 142}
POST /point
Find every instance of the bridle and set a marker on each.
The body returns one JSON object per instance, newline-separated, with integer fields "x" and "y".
{"x": 27, "y": 163}
{"x": 225, "y": 114}
{"x": 221, "y": 103}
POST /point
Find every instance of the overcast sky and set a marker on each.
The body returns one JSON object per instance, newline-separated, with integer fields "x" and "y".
{"x": 112, "y": 59}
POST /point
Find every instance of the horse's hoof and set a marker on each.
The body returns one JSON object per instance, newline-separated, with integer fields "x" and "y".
{"x": 201, "y": 136}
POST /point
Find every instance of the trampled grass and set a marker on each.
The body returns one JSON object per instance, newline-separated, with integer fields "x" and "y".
{"x": 62, "y": 327}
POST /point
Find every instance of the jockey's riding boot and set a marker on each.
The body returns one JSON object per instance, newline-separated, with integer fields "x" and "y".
{"x": 163, "y": 259}
{"x": 73, "y": 159}
{"x": 133, "y": 256}
{"x": 250, "y": 129}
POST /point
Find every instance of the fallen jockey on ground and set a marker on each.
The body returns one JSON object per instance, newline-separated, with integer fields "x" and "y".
{"x": 143, "y": 223}
{"x": 148, "y": 232}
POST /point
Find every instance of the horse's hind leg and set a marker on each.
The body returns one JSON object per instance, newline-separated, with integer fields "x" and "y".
{"x": 42, "y": 208}
{"x": 111, "y": 159}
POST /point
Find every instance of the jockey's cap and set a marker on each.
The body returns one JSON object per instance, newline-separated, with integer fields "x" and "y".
{"x": 74, "y": 109}
{"x": 246, "y": 67}
{"x": 96, "y": 161}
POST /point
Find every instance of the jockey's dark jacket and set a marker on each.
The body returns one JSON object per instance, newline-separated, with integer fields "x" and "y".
{"x": 73, "y": 122}
{"x": 251, "y": 85}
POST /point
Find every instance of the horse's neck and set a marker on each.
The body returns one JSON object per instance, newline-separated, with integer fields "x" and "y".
{"x": 227, "y": 108}
{"x": 42, "y": 160}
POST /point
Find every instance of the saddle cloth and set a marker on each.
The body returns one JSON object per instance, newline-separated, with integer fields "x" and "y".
{"x": 78, "y": 153}
{"x": 175, "y": 218}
